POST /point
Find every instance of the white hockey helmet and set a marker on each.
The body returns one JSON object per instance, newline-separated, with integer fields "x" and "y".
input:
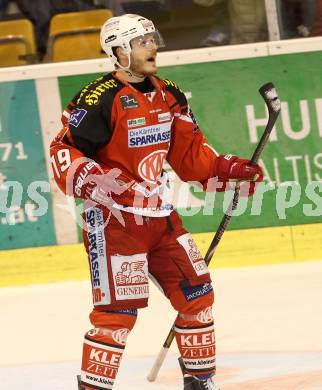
{"x": 119, "y": 31}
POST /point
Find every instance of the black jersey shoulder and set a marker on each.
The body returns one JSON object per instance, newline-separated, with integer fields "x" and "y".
{"x": 104, "y": 87}
{"x": 177, "y": 93}
{"x": 90, "y": 122}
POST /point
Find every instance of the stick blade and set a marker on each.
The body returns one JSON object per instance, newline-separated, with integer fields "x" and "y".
{"x": 269, "y": 94}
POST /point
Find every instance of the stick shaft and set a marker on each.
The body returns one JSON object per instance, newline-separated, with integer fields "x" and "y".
{"x": 157, "y": 364}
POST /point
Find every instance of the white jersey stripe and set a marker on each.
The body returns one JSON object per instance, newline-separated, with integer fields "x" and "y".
{"x": 195, "y": 330}
{"x": 211, "y": 148}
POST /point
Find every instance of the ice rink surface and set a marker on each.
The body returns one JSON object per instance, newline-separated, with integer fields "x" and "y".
{"x": 268, "y": 324}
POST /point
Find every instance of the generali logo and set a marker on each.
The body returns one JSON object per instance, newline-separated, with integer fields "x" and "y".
{"x": 151, "y": 166}
{"x": 130, "y": 276}
{"x": 131, "y": 273}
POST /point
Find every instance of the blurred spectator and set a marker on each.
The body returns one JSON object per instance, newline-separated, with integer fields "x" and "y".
{"x": 297, "y": 17}
{"x": 114, "y": 5}
{"x": 317, "y": 23}
{"x": 309, "y": 8}
{"x": 39, "y": 12}
{"x": 3, "y": 8}
{"x": 246, "y": 22}
{"x": 220, "y": 33}
{"x": 9, "y": 10}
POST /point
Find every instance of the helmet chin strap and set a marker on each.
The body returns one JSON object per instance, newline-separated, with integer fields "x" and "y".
{"x": 129, "y": 71}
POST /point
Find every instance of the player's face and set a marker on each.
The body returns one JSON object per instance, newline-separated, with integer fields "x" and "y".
{"x": 143, "y": 55}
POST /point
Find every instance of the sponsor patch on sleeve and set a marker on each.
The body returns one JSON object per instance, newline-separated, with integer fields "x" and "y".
{"x": 77, "y": 116}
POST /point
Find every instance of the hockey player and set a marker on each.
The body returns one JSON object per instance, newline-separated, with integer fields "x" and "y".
{"x": 117, "y": 133}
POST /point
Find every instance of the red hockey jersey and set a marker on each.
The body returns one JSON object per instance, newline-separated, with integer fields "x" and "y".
{"x": 117, "y": 126}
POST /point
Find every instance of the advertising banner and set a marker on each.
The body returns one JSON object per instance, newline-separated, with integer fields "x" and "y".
{"x": 232, "y": 114}
{"x": 25, "y": 202}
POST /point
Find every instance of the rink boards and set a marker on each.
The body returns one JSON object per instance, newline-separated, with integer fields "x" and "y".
{"x": 240, "y": 248}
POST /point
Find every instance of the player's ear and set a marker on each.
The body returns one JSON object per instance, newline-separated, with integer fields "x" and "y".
{"x": 121, "y": 56}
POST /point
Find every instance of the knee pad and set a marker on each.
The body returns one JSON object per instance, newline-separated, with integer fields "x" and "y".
{"x": 104, "y": 346}
{"x": 193, "y": 303}
{"x": 113, "y": 320}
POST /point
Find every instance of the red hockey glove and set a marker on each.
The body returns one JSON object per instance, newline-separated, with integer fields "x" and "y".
{"x": 229, "y": 167}
{"x": 97, "y": 186}
{"x": 89, "y": 181}
{"x": 81, "y": 179}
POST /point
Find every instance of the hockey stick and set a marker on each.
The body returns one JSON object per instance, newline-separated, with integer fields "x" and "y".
{"x": 269, "y": 94}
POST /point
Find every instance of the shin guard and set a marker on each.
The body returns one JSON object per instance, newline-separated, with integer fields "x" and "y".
{"x": 195, "y": 333}
{"x": 104, "y": 346}
{"x": 197, "y": 348}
